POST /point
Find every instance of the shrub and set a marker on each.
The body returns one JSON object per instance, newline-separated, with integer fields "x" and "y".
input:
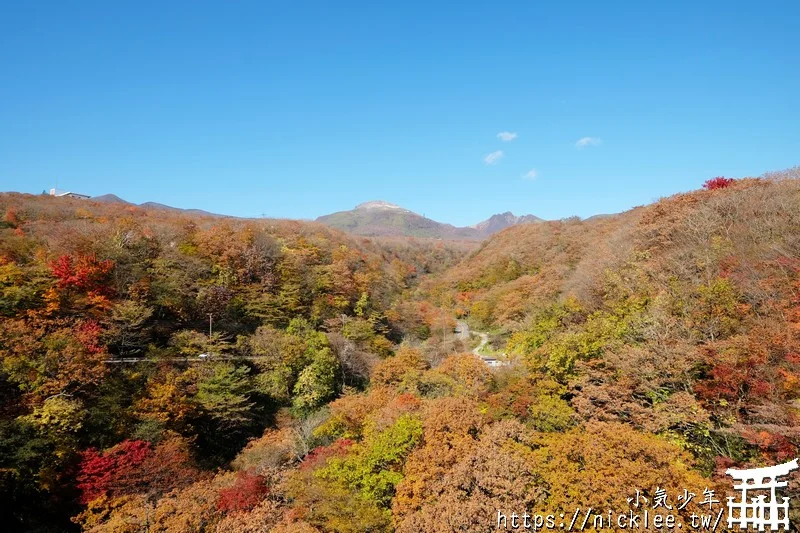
{"x": 247, "y": 492}
{"x": 717, "y": 183}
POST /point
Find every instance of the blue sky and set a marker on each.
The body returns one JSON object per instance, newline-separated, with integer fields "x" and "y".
{"x": 297, "y": 109}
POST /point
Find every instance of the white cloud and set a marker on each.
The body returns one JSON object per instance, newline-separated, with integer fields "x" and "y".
{"x": 494, "y": 157}
{"x": 532, "y": 174}
{"x": 588, "y": 141}
{"x": 506, "y": 136}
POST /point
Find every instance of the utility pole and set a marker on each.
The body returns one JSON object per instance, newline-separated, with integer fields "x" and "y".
{"x": 210, "y": 323}
{"x": 444, "y": 333}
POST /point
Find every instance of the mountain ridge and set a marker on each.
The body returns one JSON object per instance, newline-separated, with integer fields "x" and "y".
{"x": 379, "y": 218}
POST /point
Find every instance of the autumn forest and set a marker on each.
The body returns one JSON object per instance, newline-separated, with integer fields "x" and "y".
{"x": 166, "y": 371}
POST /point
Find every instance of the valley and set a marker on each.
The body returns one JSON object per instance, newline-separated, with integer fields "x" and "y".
{"x": 353, "y": 383}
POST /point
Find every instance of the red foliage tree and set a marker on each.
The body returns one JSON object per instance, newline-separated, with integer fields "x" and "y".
{"x": 88, "y": 334}
{"x": 135, "y": 466}
{"x": 248, "y": 490}
{"x": 86, "y": 273}
{"x": 724, "y": 381}
{"x": 320, "y": 455}
{"x": 168, "y": 467}
{"x": 98, "y": 471}
{"x": 773, "y": 446}
{"x": 11, "y": 218}
{"x": 717, "y": 183}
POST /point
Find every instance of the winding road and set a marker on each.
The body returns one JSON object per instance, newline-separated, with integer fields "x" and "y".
{"x": 463, "y": 333}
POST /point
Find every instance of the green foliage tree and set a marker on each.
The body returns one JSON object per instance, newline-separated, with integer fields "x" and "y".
{"x": 224, "y": 393}
{"x": 373, "y": 468}
{"x": 317, "y": 383}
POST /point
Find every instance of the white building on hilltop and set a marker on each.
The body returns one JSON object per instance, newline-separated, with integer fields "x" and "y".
{"x": 68, "y": 194}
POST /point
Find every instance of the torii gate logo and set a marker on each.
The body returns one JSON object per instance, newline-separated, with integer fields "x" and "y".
{"x": 759, "y": 512}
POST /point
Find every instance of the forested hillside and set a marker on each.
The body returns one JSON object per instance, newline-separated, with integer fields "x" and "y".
{"x": 234, "y": 321}
{"x": 650, "y": 349}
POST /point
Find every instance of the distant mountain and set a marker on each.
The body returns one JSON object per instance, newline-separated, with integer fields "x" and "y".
{"x": 109, "y": 199}
{"x": 156, "y": 205}
{"x": 379, "y": 218}
{"x": 502, "y": 221}
{"x": 602, "y": 215}
{"x": 114, "y": 199}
